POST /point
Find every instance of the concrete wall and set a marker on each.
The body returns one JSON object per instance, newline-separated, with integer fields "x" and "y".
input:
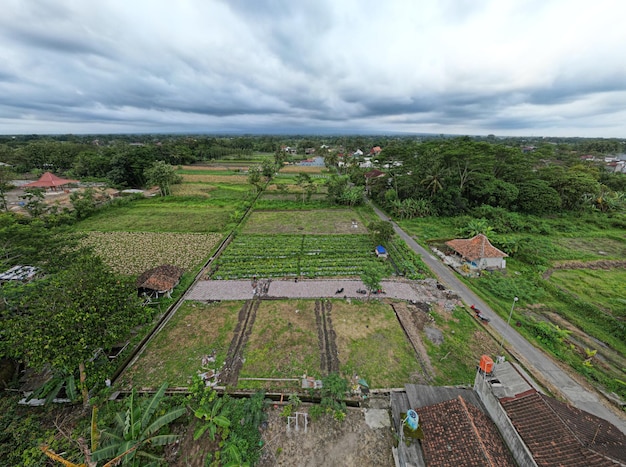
{"x": 518, "y": 449}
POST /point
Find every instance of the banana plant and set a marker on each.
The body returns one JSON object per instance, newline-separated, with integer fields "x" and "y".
{"x": 210, "y": 411}
{"x": 134, "y": 429}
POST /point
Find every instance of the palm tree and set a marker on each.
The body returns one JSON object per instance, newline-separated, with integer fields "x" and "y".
{"x": 135, "y": 428}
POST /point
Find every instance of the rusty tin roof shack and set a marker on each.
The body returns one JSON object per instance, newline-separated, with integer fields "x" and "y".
{"x": 159, "y": 281}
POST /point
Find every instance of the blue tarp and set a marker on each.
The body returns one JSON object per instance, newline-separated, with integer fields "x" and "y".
{"x": 381, "y": 250}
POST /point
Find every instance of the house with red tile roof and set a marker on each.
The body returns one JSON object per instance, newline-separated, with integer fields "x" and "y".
{"x": 543, "y": 431}
{"x": 456, "y": 433}
{"x": 375, "y": 150}
{"x": 478, "y": 252}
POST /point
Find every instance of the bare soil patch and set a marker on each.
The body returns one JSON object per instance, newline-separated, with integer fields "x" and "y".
{"x": 327, "y": 442}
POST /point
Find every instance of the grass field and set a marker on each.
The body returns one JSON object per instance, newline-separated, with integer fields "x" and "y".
{"x": 372, "y": 344}
{"x": 160, "y": 215}
{"x": 283, "y": 344}
{"x": 596, "y": 286}
{"x": 175, "y": 354}
{"x": 315, "y": 222}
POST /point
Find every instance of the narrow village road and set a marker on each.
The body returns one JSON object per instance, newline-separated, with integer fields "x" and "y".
{"x": 540, "y": 365}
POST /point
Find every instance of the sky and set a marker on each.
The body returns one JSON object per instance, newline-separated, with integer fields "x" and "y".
{"x": 470, "y": 67}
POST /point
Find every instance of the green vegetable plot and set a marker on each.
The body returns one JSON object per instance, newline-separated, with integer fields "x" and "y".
{"x": 295, "y": 255}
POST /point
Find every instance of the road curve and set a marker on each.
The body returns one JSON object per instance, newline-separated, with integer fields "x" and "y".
{"x": 540, "y": 365}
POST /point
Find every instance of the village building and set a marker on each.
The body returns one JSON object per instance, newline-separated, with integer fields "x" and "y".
{"x": 478, "y": 253}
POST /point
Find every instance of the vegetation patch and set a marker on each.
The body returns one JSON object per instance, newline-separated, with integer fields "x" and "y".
{"x": 295, "y": 255}
{"x": 597, "y": 285}
{"x": 135, "y": 252}
{"x": 456, "y": 358}
{"x": 175, "y": 354}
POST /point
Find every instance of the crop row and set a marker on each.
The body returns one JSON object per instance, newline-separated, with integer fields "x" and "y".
{"x": 409, "y": 264}
{"x": 295, "y": 255}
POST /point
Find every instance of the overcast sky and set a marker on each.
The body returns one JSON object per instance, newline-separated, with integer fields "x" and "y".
{"x": 503, "y": 67}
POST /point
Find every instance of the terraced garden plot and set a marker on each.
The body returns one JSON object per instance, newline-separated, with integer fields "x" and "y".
{"x": 295, "y": 255}
{"x": 317, "y": 222}
{"x": 175, "y": 354}
{"x": 135, "y": 252}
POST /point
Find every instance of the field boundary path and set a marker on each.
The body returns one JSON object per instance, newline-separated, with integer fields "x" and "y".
{"x": 541, "y": 366}
{"x": 327, "y": 337}
{"x": 402, "y": 289}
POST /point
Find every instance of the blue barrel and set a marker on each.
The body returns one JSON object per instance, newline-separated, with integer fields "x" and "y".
{"x": 412, "y": 419}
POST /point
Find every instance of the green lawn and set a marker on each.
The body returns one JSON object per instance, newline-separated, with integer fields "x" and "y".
{"x": 160, "y": 215}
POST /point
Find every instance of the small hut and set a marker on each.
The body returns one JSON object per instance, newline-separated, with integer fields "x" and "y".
{"x": 159, "y": 281}
{"x": 381, "y": 252}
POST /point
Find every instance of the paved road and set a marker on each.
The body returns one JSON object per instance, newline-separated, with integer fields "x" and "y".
{"x": 540, "y": 365}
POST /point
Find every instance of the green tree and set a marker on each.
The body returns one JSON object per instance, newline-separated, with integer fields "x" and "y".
{"x": 268, "y": 169}
{"x": 304, "y": 180}
{"x": 65, "y": 318}
{"x": 381, "y": 231}
{"x": 6, "y": 175}
{"x": 371, "y": 277}
{"x": 138, "y": 428}
{"x": 35, "y": 204}
{"x": 163, "y": 175}
{"x": 84, "y": 203}
{"x": 254, "y": 177}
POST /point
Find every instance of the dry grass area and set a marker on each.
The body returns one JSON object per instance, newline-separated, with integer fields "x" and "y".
{"x": 318, "y": 222}
{"x": 206, "y": 178}
{"x": 284, "y": 342}
{"x": 295, "y": 169}
{"x": 193, "y": 189}
{"x": 175, "y": 354}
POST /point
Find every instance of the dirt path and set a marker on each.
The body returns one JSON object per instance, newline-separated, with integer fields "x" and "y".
{"x": 327, "y": 337}
{"x": 409, "y": 319}
{"x": 234, "y": 358}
